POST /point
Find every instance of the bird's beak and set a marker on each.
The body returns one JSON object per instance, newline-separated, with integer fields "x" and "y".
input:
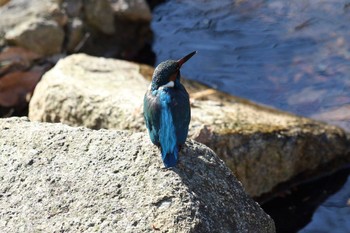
{"x": 186, "y": 58}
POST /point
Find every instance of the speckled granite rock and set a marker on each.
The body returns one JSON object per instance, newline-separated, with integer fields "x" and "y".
{"x": 55, "y": 178}
{"x": 263, "y": 147}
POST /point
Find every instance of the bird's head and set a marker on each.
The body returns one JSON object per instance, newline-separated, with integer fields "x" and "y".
{"x": 167, "y": 73}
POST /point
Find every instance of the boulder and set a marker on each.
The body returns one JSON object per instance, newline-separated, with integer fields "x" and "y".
{"x": 97, "y": 98}
{"x": 64, "y": 179}
{"x": 262, "y": 146}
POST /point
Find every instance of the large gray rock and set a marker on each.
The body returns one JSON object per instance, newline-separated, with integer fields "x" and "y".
{"x": 55, "y": 178}
{"x": 263, "y": 147}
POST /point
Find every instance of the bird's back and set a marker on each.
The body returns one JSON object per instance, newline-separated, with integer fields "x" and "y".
{"x": 167, "y": 115}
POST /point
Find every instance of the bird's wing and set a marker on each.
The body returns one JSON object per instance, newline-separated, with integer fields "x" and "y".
{"x": 181, "y": 112}
{"x": 151, "y": 113}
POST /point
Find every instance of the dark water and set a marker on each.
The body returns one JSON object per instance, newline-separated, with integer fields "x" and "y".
{"x": 292, "y": 209}
{"x": 333, "y": 215}
{"x": 292, "y": 55}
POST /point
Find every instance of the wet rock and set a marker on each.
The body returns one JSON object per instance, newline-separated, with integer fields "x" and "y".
{"x": 99, "y": 14}
{"x": 38, "y": 35}
{"x": 79, "y": 180}
{"x": 132, "y": 9}
{"x": 263, "y": 147}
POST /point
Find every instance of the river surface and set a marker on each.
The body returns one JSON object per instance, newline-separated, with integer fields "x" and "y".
{"x": 291, "y": 55}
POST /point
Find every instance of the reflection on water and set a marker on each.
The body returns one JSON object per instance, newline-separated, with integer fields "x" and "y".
{"x": 293, "y": 55}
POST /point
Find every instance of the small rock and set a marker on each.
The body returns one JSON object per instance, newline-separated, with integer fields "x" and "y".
{"x": 57, "y": 14}
{"x": 16, "y": 87}
{"x": 38, "y": 35}
{"x": 100, "y": 15}
{"x": 15, "y": 12}
{"x": 16, "y": 59}
{"x": 73, "y": 8}
{"x": 132, "y": 9}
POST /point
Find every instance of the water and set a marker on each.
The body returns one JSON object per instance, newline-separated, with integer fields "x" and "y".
{"x": 292, "y": 55}
{"x": 333, "y": 214}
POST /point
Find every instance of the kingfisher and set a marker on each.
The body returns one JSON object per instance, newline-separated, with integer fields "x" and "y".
{"x": 166, "y": 110}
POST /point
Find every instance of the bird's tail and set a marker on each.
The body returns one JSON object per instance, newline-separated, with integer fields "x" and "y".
{"x": 170, "y": 158}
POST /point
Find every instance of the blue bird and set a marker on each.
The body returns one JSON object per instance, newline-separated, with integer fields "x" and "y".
{"x": 166, "y": 109}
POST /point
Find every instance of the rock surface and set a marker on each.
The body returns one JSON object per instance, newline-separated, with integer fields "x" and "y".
{"x": 39, "y": 35}
{"x": 17, "y": 12}
{"x": 132, "y": 9}
{"x": 263, "y": 147}
{"x": 99, "y": 14}
{"x": 60, "y": 178}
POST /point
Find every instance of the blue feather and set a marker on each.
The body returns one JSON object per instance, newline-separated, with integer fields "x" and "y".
{"x": 167, "y": 135}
